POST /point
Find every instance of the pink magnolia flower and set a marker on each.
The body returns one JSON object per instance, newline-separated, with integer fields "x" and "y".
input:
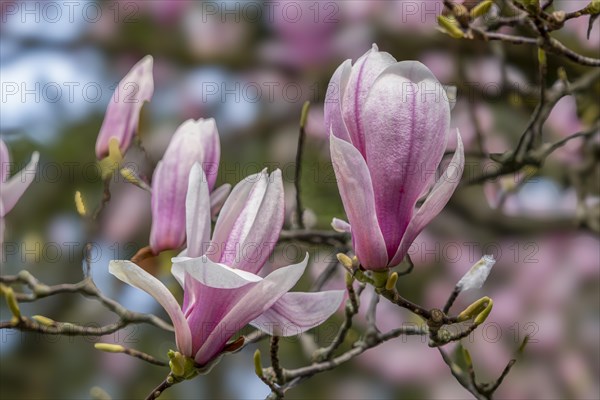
{"x": 222, "y": 292}
{"x": 193, "y": 142}
{"x": 123, "y": 112}
{"x": 389, "y": 123}
{"x": 12, "y": 189}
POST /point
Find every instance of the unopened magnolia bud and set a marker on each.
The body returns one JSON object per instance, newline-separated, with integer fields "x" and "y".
{"x": 11, "y": 301}
{"x": 258, "y": 364}
{"x": 481, "y": 9}
{"x": 109, "y": 347}
{"x": 40, "y": 319}
{"x": 593, "y": 7}
{"x": 79, "y": 204}
{"x": 131, "y": 177}
{"x": 391, "y": 282}
{"x": 345, "y": 260}
{"x": 480, "y": 319}
{"x": 177, "y": 363}
{"x": 450, "y": 27}
{"x": 475, "y": 309}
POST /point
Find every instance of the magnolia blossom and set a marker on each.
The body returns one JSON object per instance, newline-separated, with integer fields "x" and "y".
{"x": 222, "y": 291}
{"x": 12, "y": 189}
{"x": 123, "y": 112}
{"x": 193, "y": 142}
{"x": 389, "y": 122}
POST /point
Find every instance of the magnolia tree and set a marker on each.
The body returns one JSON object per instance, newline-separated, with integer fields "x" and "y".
{"x": 388, "y": 123}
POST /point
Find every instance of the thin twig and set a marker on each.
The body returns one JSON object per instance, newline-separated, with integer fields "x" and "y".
{"x": 105, "y": 198}
{"x": 352, "y": 306}
{"x": 87, "y": 288}
{"x": 451, "y": 299}
{"x": 275, "y": 360}
{"x": 298, "y": 171}
{"x": 143, "y": 356}
{"x": 295, "y": 376}
{"x": 164, "y": 385}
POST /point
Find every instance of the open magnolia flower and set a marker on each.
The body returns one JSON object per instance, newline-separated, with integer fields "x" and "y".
{"x": 12, "y": 189}
{"x": 389, "y": 122}
{"x": 193, "y": 142}
{"x": 222, "y": 291}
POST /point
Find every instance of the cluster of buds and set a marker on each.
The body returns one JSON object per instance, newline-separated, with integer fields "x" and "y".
{"x": 455, "y": 20}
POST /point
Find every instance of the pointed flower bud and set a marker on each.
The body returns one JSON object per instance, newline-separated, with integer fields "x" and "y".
{"x": 109, "y": 347}
{"x": 391, "y": 282}
{"x": 478, "y": 311}
{"x": 258, "y": 369}
{"x": 42, "y": 320}
{"x": 345, "y": 261}
{"x": 123, "y": 113}
{"x": 193, "y": 142}
{"x": 450, "y": 27}
{"x": 593, "y": 7}
{"x": 130, "y": 176}
{"x": 79, "y": 204}
{"x": 481, "y": 8}
{"x": 389, "y": 122}
{"x": 11, "y": 301}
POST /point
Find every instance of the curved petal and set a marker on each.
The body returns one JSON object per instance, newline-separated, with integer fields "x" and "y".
{"x": 213, "y": 274}
{"x": 477, "y": 274}
{"x": 407, "y": 120}
{"x": 195, "y": 274}
{"x": 4, "y": 162}
{"x": 339, "y": 225}
{"x": 193, "y": 142}
{"x": 168, "y": 207}
{"x": 12, "y": 190}
{"x": 334, "y": 121}
{"x": 232, "y": 209}
{"x": 437, "y": 200}
{"x": 356, "y": 189}
{"x": 197, "y": 213}
{"x": 254, "y": 300}
{"x": 362, "y": 77}
{"x": 123, "y": 112}
{"x": 252, "y": 238}
{"x": 135, "y": 276}
{"x": 413, "y": 71}
{"x": 210, "y": 147}
{"x": 295, "y": 313}
{"x": 218, "y": 197}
